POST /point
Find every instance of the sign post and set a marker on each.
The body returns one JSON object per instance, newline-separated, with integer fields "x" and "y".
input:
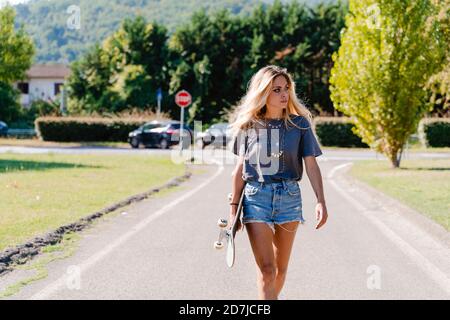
{"x": 159, "y": 97}
{"x": 182, "y": 99}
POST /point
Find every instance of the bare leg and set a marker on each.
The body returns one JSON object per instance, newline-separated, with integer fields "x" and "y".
{"x": 282, "y": 246}
{"x": 261, "y": 237}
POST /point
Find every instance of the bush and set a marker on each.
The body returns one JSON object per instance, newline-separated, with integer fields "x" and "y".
{"x": 9, "y": 107}
{"x": 38, "y": 108}
{"x": 41, "y": 108}
{"x": 435, "y": 132}
{"x": 85, "y": 129}
{"x": 337, "y": 132}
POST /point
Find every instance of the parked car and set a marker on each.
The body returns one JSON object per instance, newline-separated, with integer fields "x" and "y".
{"x": 162, "y": 134}
{"x": 218, "y": 135}
{"x": 3, "y": 129}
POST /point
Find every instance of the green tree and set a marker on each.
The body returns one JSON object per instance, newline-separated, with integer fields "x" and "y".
{"x": 124, "y": 72}
{"x": 439, "y": 83}
{"x": 208, "y": 61}
{"x": 9, "y": 107}
{"x": 16, "y": 53}
{"x": 138, "y": 54}
{"x": 16, "y": 48}
{"x": 388, "y": 52}
{"x": 302, "y": 39}
{"x": 89, "y": 84}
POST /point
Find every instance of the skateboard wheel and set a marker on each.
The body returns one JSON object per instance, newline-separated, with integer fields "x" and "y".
{"x": 230, "y": 196}
{"x": 218, "y": 245}
{"x": 222, "y": 223}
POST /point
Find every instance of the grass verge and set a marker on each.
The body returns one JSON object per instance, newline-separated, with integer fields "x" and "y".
{"x": 423, "y": 185}
{"x": 42, "y": 192}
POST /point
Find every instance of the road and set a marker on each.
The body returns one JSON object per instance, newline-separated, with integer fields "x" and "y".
{"x": 372, "y": 247}
{"x": 342, "y": 154}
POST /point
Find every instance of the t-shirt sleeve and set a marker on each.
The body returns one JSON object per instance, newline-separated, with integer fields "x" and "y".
{"x": 309, "y": 146}
{"x": 239, "y": 144}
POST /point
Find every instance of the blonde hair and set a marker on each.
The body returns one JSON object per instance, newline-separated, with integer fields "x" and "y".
{"x": 252, "y": 105}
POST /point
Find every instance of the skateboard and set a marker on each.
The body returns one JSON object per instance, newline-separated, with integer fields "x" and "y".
{"x": 230, "y": 233}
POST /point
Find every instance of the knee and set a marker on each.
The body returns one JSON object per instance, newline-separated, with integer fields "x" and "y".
{"x": 268, "y": 273}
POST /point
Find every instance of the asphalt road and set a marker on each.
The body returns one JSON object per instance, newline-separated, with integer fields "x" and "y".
{"x": 372, "y": 247}
{"x": 219, "y": 153}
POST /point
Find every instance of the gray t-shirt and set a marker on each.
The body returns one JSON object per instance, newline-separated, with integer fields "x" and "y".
{"x": 275, "y": 152}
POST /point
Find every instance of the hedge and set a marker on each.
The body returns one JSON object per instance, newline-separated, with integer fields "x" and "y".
{"x": 337, "y": 132}
{"x": 72, "y": 129}
{"x": 435, "y": 132}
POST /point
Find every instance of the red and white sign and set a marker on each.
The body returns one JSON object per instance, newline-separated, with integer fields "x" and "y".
{"x": 183, "y": 98}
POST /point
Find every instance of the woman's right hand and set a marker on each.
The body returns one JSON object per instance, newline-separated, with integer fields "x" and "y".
{"x": 233, "y": 211}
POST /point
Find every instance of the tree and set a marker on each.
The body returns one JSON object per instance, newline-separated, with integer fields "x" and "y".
{"x": 89, "y": 84}
{"x": 208, "y": 61}
{"x": 16, "y": 53}
{"x": 439, "y": 83}
{"x": 124, "y": 72}
{"x": 16, "y": 48}
{"x": 138, "y": 54}
{"x": 388, "y": 52}
{"x": 9, "y": 107}
{"x": 301, "y": 39}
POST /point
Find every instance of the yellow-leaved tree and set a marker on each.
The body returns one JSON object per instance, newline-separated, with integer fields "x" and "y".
{"x": 389, "y": 50}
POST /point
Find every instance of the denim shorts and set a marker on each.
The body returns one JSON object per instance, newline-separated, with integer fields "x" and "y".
{"x": 272, "y": 202}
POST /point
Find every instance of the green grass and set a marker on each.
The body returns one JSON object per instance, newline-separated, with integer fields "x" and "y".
{"x": 42, "y": 192}
{"x": 423, "y": 185}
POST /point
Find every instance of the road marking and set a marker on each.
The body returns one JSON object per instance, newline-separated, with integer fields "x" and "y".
{"x": 439, "y": 277}
{"x": 90, "y": 262}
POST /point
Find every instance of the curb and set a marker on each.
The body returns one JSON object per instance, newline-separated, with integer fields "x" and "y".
{"x": 25, "y": 252}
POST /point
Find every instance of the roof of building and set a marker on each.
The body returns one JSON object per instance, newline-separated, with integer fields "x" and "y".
{"x": 48, "y": 71}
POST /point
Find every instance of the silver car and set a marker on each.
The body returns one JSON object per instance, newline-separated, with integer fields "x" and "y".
{"x": 218, "y": 135}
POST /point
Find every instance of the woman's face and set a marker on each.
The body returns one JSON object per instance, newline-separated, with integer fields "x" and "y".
{"x": 279, "y": 95}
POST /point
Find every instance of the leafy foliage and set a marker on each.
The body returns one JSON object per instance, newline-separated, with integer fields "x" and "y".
{"x": 380, "y": 70}
{"x": 16, "y": 48}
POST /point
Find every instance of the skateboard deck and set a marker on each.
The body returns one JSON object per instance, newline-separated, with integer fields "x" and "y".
{"x": 230, "y": 233}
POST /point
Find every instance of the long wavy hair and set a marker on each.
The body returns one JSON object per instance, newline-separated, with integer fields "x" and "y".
{"x": 253, "y": 105}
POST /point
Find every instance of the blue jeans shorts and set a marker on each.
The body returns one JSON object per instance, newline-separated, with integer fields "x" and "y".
{"x": 272, "y": 202}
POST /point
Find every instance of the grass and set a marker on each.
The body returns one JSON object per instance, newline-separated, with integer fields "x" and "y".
{"x": 41, "y": 192}
{"x": 423, "y": 185}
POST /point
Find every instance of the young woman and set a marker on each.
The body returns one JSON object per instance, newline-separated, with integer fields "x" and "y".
{"x": 272, "y": 133}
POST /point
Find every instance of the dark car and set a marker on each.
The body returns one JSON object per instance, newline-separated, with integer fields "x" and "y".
{"x": 218, "y": 135}
{"x": 3, "y": 129}
{"x": 162, "y": 134}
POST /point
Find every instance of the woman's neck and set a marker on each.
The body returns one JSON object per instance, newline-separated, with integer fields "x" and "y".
{"x": 273, "y": 116}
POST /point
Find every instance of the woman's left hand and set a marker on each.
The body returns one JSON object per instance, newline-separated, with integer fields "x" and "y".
{"x": 321, "y": 214}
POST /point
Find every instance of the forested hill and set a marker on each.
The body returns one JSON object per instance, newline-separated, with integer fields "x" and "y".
{"x": 46, "y": 20}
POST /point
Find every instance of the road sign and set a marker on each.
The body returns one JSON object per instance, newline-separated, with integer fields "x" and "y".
{"x": 158, "y": 98}
{"x": 183, "y": 98}
{"x": 159, "y": 94}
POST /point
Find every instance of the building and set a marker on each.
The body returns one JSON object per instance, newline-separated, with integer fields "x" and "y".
{"x": 42, "y": 82}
